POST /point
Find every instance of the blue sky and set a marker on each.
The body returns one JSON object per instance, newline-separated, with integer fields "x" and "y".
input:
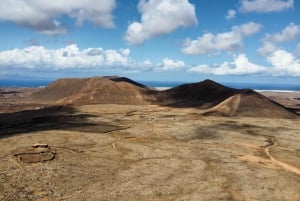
{"x": 165, "y": 40}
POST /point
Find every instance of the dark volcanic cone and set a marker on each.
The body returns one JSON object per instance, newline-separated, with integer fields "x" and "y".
{"x": 202, "y": 94}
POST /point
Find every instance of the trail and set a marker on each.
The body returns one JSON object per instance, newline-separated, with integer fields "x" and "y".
{"x": 285, "y": 166}
{"x": 236, "y": 104}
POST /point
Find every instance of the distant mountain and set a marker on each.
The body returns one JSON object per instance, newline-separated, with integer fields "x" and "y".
{"x": 96, "y": 90}
{"x": 209, "y": 96}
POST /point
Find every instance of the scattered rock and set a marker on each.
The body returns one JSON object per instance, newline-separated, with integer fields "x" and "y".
{"x": 35, "y": 153}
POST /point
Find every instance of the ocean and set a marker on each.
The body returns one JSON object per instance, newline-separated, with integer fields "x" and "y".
{"x": 164, "y": 84}
{"x": 24, "y": 83}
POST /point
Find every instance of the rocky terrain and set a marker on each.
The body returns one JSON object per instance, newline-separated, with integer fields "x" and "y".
{"x": 216, "y": 98}
{"x": 200, "y": 141}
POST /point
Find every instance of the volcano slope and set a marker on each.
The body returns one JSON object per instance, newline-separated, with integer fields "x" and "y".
{"x": 201, "y": 94}
{"x": 215, "y": 98}
{"x": 151, "y": 152}
{"x": 249, "y": 103}
{"x": 147, "y": 152}
{"x": 96, "y": 90}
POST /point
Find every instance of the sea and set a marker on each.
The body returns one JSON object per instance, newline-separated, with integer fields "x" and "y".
{"x": 166, "y": 85}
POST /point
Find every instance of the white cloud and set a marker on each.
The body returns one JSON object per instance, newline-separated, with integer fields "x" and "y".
{"x": 159, "y": 18}
{"x": 281, "y": 63}
{"x": 71, "y": 59}
{"x": 43, "y": 16}
{"x": 248, "y": 29}
{"x": 146, "y": 65}
{"x": 170, "y": 65}
{"x": 240, "y": 66}
{"x": 289, "y": 33}
{"x": 231, "y": 14}
{"x": 284, "y": 63}
{"x": 39, "y": 58}
{"x": 298, "y": 50}
{"x": 36, "y": 57}
{"x": 265, "y": 6}
{"x": 267, "y": 48}
{"x": 147, "y": 62}
{"x": 227, "y": 41}
{"x": 117, "y": 57}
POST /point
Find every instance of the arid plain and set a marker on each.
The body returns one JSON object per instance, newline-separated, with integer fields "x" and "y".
{"x": 148, "y": 151}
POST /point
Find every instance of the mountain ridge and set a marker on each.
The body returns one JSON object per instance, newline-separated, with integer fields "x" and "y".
{"x": 212, "y": 97}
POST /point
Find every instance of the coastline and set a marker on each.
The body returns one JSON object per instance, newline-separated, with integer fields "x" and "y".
{"x": 257, "y": 90}
{"x": 276, "y": 91}
{"x": 164, "y": 85}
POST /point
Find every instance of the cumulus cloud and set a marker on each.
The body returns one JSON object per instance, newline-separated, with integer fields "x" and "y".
{"x": 265, "y": 6}
{"x": 284, "y": 63}
{"x": 43, "y": 16}
{"x": 281, "y": 63}
{"x": 239, "y": 66}
{"x": 290, "y": 32}
{"x": 170, "y": 65}
{"x": 248, "y": 29}
{"x": 267, "y": 48}
{"x": 230, "y": 14}
{"x": 39, "y": 58}
{"x": 159, "y": 18}
{"x": 227, "y": 41}
{"x": 36, "y": 57}
{"x": 71, "y": 59}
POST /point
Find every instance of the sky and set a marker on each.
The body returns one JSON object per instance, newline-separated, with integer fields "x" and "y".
{"x": 153, "y": 40}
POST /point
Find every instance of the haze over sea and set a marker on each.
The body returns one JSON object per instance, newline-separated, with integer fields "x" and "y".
{"x": 165, "y": 85}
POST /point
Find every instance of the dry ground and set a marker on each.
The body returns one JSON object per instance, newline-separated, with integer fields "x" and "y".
{"x": 288, "y": 99}
{"x": 115, "y": 152}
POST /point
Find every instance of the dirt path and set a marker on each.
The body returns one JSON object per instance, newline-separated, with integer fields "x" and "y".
{"x": 285, "y": 166}
{"x": 237, "y": 101}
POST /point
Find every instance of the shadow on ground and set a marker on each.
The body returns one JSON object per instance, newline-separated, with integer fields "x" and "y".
{"x": 51, "y": 118}
{"x": 9, "y": 92}
{"x": 296, "y": 110}
{"x": 214, "y": 131}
